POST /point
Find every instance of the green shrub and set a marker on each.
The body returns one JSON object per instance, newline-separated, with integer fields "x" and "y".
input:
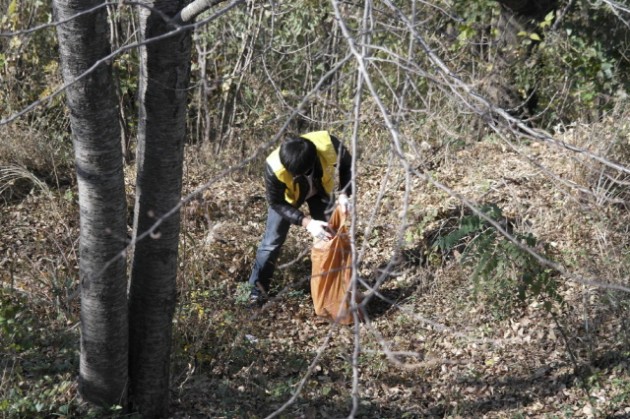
{"x": 504, "y": 273}
{"x": 16, "y": 323}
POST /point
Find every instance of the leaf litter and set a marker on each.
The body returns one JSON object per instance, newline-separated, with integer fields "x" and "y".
{"x": 429, "y": 349}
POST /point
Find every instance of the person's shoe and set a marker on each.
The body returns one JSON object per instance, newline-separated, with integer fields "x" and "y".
{"x": 258, "y": 296}
{"x": 256, "y": 300}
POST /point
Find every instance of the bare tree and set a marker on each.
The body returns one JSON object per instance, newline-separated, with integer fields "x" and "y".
{"x": 121, "y": 340}
{"x": 163, "y": 92}
{"x": 93, "y": 107}
{"x": 164, "y": 77}
{"x": 164, "y": 81}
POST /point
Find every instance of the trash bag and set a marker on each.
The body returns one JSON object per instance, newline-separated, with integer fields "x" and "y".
{"x": 332, "y": 273}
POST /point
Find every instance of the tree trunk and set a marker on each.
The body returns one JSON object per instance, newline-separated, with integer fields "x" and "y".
{"x": 164, "y": 79}
{"x": 99, "y": 166}
{"x": 532, "y": 9}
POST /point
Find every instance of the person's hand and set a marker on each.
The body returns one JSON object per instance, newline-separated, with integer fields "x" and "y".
{"x": 344, "y": 203}
{"x": 319, "y": 229}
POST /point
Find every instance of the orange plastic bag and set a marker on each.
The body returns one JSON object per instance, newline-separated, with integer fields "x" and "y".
{"x": 332, "y": 273}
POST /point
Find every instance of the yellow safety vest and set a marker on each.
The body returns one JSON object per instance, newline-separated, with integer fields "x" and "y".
{"x": 327, "y": 157}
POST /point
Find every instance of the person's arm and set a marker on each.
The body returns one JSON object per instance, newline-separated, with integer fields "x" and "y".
{"x": 345, "y": 167}
{"x": 275, "y": 198}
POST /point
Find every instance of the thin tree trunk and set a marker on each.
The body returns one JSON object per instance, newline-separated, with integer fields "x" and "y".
{"x": 99, "y": 166}
{"x": 164, "y": 79}
{"x": 530, "y": 8}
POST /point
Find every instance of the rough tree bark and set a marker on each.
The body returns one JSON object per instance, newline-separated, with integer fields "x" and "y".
{"x": 83, "y": 41}
{"x": 164, "y": 78}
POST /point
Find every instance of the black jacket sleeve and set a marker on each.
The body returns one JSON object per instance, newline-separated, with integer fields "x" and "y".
{"x": 275, "y": 198}
{"x": 345, "y": 166}
{"x": 275, "y": 188}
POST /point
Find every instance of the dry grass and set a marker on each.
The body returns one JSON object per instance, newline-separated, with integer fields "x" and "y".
{"x": 39, "y": 156}
{"x": 13, "y": 178}
{"x": 449, "y": 354}
{"x": 430, "y": 349}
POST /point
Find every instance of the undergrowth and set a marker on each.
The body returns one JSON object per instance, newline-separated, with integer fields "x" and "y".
{"x": 230, "y": 362}
{"x": 505, "y": 270}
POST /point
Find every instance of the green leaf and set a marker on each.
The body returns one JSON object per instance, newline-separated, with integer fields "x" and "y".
{"x": 534, "y": 36}
{"x": 548, "y": 19}
{"x": 12, "y": 8}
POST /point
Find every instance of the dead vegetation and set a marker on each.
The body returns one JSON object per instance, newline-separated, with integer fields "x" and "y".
{"x": 437, "y": 343}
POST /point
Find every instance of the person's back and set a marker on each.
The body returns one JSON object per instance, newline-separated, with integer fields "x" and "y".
{"x": 300, "y": 170}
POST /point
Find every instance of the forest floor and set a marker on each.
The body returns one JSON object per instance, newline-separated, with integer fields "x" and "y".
{"x": 440, "y": 339}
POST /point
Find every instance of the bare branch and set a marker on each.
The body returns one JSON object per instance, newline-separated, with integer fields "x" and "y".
{"x": 114, "y": 54}
{"x": 77, "y": 15}
{"x": 54, "y": 24}
{"x": 540, "y": 259}
{"x": 305, "y": 377}
{"x": 485, "y": 108}
{"x": 194, "y": 9}
{"x": 616, "y": 6}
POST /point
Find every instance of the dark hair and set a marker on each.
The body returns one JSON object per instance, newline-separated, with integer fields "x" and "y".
{"x": 298, "y": 155}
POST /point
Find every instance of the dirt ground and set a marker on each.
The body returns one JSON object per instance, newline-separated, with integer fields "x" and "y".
{"x": 438, "y": 340}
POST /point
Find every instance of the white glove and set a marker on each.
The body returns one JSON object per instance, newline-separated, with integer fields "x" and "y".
{"x": 344, "y": 203}
{"x": 318, "y": 229}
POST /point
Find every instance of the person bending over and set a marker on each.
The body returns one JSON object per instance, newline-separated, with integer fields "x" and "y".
{"x": 302, "y": 169}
